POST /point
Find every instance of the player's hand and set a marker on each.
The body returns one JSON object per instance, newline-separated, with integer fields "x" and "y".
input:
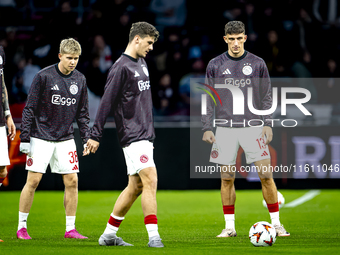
{"x": 209, "y": 137}
{"x": 86, "y": 151}
{"x": 268, "y": 132}
{"x": 11, "y": 127}
{"x": 92, "y": 145}
{"x": 25, "y": 148}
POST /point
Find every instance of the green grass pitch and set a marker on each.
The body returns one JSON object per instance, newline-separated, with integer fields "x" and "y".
{"x": 188, "y": 223}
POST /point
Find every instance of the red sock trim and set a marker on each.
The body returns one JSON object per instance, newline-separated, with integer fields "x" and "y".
{"x": 229, "y": 209}
{"x": 2, "y": 179}
{"x": 114, "y": 222}
{"x": 150, "y": 219}
{"x": 273, "y": 207}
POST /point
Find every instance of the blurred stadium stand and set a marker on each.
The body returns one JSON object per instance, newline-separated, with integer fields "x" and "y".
{"x": 296, "y": 39}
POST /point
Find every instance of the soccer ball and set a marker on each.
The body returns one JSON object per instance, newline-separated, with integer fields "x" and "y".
{"x": 280, "y": 199}
{"x": 262, "y": 234}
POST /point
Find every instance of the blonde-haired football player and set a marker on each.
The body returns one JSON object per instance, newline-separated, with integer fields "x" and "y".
{"x": 57, "y": 96}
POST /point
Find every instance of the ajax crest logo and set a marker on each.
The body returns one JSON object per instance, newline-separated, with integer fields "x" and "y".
{"x": 73, "y": 88}
{"x": 247, "y": 70}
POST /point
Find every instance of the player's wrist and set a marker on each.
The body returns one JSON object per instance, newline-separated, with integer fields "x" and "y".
{"x": 95, "y": 139}
{"x": 7, "y": 113}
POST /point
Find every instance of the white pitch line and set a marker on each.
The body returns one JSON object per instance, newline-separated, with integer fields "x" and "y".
{"x": 306, "y": 197}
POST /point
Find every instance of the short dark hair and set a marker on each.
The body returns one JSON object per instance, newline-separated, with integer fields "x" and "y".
{"x": 234, "y": 27}
{"x": 143, "y": 29}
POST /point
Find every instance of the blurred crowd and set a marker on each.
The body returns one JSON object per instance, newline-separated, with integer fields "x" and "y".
{"x": 296, "y": 39}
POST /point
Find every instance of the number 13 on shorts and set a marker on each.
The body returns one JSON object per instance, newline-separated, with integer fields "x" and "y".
{"x": 262, "y": 143}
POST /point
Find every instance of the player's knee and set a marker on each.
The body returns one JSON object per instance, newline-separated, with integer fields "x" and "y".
{"x": 228, "y": 178}
{"x": 71, "y": 181}
{"x": 227, "y": 181}
{"x": 3, "y": 171}
{"x": 154, "y": 183}
{"x": 33, "y": 183}
{"x": 138, "y": 189}
{"x": 151, "y": 183}
{"x": 266, "y": 176}
{"x": 266, "y": 180}
{"x": 135, "y": 188}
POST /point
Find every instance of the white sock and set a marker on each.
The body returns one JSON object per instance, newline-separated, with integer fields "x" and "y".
{"x": 229, "y": 221}
{"x": 111, "y": 230}
{"x": 22, "y": 220}
{"x": 70, "y": 223}
{"x": 152, "y": 230}
{"x": 0, "y": 184}
{"x": 275, "y": 218}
